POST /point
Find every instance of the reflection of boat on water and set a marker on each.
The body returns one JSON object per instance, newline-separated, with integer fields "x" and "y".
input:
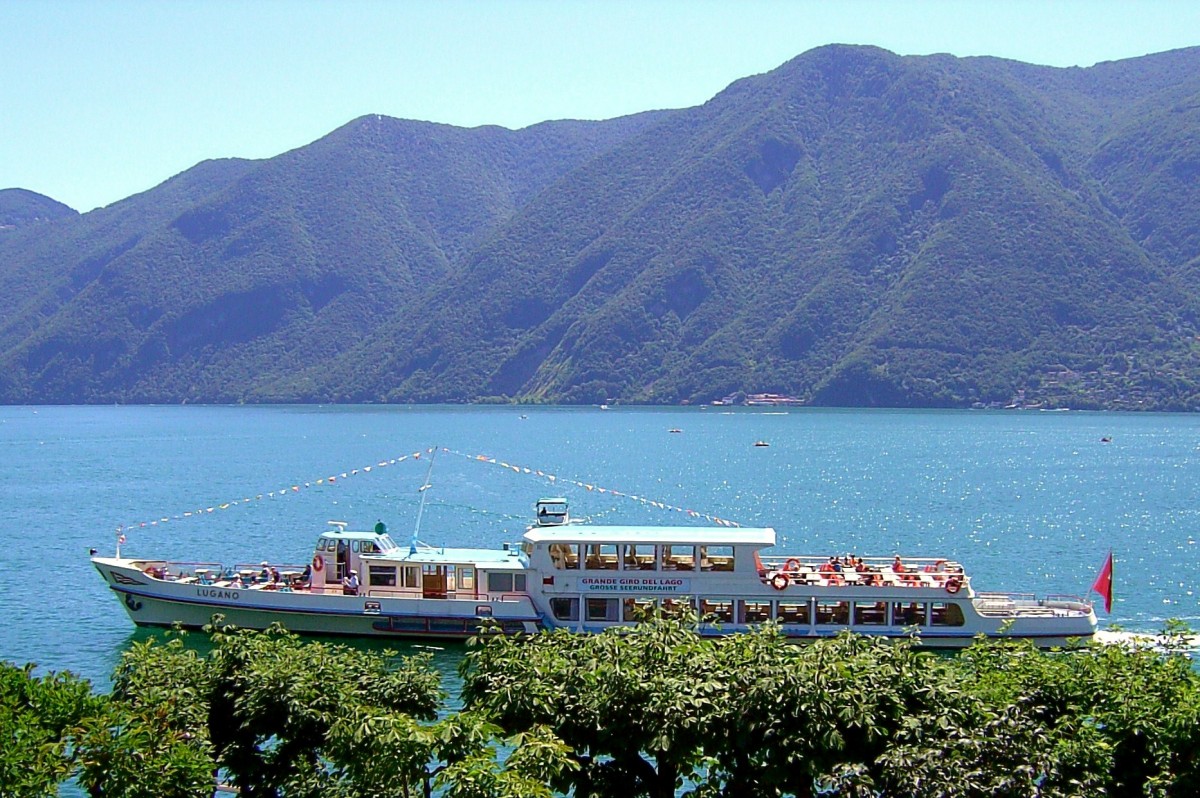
{"x": 588, "y": 578}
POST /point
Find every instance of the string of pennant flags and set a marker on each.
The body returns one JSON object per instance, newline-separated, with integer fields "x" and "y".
{"x": 273, "y": 494}
{"x": 554, "y": 480}
{"x": 344, "y": 475}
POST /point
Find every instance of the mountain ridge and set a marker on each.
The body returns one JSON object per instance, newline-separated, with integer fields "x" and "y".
{"x": 852, "y": 228}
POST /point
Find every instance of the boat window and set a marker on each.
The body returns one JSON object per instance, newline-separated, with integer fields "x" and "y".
{"x": 601, "y": 557}
{"x": 870, "y": 613}
{"x": 946, "y": 614}
{"x": 410, "y": 576}
{"x": 908, "y": 614}
{"x": 637, "y": 609}
{"x": 370, "y": 547}
{"x": 565, "y": 609}
{"x": 527, "y": 548}
{"x": 505, "y": 582}
{"x": 679, "y": 558}
{"x": 381, "y": 575}
{"x": 754, "y": 611}
{"x": 639, "y": 557}
{"x": 674, "y": 607}
{"x": 833, "y": 612}
{"x": 386, "y": 543}
{"x": 466, "y": 578}
{"x": 716, "y": 558}
{"x": 720, "y": 611}
{"x": 322, "y": 544}
{"x": 602, "y": 609}
{"x": 356, "y": 546}
{"x": 794, "y": 612}
{"x": 565, "y": 556}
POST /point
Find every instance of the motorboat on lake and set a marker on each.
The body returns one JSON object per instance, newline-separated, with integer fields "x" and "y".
{"x": 587, "y": 578}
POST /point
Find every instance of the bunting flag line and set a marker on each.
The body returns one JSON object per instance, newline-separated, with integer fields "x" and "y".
{"x": 278, "y": 493}
{"x": 554, "y": 479}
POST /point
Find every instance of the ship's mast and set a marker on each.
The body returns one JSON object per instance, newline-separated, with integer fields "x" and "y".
{"x": 421, "y": 506}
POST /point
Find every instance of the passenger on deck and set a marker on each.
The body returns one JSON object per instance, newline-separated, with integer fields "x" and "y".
{"x": 265, "y": 574}
{"x": 306, "y": 577}
{"x": 350, "y": 584}
{"x": 898, "y": 566}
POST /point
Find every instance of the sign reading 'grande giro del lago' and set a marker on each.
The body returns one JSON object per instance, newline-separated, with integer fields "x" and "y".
{"x": 633, "y": 584}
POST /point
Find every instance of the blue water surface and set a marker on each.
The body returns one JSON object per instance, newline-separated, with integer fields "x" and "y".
{"x": 1027, "y": 500}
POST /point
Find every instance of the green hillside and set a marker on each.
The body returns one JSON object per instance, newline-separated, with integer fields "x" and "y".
{"x": 854, "y": 228}
{"x": 228, "y": 280}
{"x": 20, "y": 208}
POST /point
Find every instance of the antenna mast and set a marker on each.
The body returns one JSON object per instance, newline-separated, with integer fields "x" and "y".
{"x": 421, "y": 506}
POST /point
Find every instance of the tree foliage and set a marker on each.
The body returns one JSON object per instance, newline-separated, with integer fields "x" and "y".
{"x": 657, "y": 710}
{"x": 654, "y": 710}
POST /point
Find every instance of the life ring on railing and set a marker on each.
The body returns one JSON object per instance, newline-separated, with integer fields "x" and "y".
{"x": 780, "y": 581}
{"x": 953, "y": 585}
{"x": 792, "y": 565}
{"x": 318, "y": 563}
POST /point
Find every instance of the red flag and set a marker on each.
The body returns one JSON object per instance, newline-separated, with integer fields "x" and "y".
{"x": 1103, "y": 583}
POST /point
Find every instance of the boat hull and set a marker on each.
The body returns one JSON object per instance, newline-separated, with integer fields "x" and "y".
{"x": 151, "y": 602}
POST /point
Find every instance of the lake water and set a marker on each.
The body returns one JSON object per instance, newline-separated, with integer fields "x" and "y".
{"x": 1027, "y": 500}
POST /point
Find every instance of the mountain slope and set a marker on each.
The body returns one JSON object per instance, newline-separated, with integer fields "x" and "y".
{"x": 852, "y": 228}
{"x": 230, "y": 278}
{"x": 20, "y": 208}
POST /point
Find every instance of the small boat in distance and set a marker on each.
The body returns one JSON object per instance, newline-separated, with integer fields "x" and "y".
{"x": 674, "y": 429}
{"x": 761, "y": 443}
{"x": 587, "y": 578}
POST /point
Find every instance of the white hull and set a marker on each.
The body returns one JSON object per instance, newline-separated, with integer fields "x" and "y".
{"x": 587, "y": 579}
{"x": 152, "y": 602}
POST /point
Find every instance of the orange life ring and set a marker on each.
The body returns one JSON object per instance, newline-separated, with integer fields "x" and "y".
{"x": 780, "y": 581}
{"x": 792, "y": 565}
{"x": 318, "y": 562}
{"x": 953, "y": 585}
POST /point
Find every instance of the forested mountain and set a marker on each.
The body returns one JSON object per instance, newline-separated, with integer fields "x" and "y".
{"x": 852, "y": 228}
{"x": 21, "y": 208}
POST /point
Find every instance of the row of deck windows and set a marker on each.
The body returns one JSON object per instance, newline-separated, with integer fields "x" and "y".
{"x": 386, "y": 576}
{"x": 456, "y": 577}
{"x": 805, "y": 612}
{"x": 640, "y": 557}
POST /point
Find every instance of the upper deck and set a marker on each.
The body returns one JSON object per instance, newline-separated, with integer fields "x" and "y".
{"x": 699, "y": 535}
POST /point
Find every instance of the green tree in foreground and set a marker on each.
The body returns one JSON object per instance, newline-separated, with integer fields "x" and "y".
{"x": 276, "y": 715}
{"x": 37, "y": 717}
{"x": 654, "y": 710}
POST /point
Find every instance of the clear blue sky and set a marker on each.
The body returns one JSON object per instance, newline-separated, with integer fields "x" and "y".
{"x": 100, "y": 100}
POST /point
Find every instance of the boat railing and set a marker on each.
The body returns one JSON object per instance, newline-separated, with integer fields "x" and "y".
{"x": 926, "y": 572}
{"x": 177, "y": 570}
{"x": 1011, "y": 604}
{"x": 215, "y": 573}
{"x": 911, "y": 564}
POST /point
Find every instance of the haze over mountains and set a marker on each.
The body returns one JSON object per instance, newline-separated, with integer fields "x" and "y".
{"x": 852, "y": 228}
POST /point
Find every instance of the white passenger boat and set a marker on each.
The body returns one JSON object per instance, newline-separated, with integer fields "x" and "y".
{"x": 588, "y": 578}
